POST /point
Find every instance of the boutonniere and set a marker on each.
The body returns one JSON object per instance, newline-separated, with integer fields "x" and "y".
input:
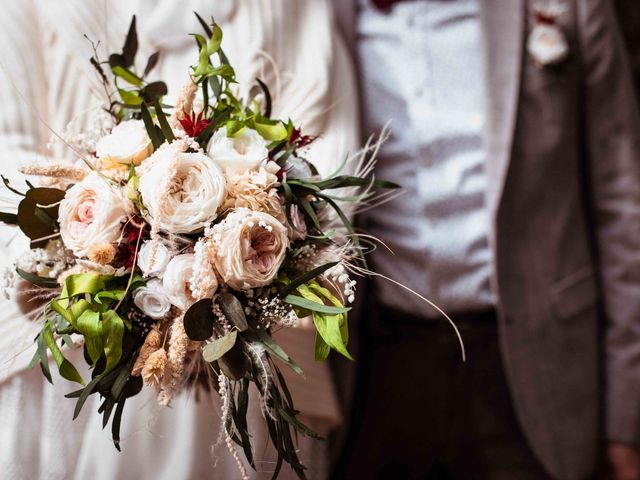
{"x": 547, "y": 43}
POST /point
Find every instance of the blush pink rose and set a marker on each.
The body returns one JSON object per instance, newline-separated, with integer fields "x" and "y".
{"x": 250, "y": 248}
{"x": 91, "y": 213}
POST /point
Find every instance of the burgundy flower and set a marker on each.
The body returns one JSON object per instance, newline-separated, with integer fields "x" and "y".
{"x": 125, "y": 254}
{"x": 545, "y": 18}
{"x": 194, "y": 126}
{"x": 384, "y": 5}
{"x": 296, "y": 138}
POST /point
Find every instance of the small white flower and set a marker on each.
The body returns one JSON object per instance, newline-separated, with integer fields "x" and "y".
{"x": 161, "y": 258}
{"x": 152, "y": 299}
{"x": 245, "y": 151}
{"x": 547, "y": 44}
{"x": 128, "y": 143}
{"x": 177, "y": 281}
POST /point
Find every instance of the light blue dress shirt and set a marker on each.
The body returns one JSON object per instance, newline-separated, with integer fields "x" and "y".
{"x": 422, "y": 67}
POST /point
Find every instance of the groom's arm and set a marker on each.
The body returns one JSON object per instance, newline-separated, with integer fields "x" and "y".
{"x": 612, "y": 135}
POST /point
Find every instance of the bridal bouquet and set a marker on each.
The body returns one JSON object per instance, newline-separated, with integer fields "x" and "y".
{"x": 177, "y": 247}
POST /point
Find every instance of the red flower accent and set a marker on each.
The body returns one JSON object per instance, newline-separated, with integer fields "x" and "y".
{"x": 296, "y": 138}
{"x": 126, "y": 251}
{"x": 384, "y": 5}
{"x": 194, "y": 126}
{"x": 544, "y": 18}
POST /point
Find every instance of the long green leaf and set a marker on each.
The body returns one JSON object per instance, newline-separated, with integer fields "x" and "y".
{"x": 304, "y": 278}
{"x": 313, "y": 306}
{"x": 112, "y": 332}
{"x": 164, "y": 124}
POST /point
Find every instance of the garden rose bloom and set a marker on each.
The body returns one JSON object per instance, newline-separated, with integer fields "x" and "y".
{"x": 128, "y": 143}
{"x": 177, "y": 280}
{"x": 91, "y": 213}
{"x": 152, "y": 299}
{"x": 245, "y": 151}
{"x": 181, "y": 191}
{"x": 251, "y": 246}
{"x": 160, "y": 260}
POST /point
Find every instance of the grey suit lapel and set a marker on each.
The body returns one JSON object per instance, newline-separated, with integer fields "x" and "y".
{"x": 503, "y": 23}
{"x": 345, "y": 17}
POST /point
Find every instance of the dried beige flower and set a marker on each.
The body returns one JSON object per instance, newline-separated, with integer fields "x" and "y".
{"x": 151, "y": 343}
{"x": 102, "y": 253}
{"x": 178, "y": 343}
{"x": 55, "y": 171}
{"x": 255, "y": 190}
{"x": 153, "y": 372}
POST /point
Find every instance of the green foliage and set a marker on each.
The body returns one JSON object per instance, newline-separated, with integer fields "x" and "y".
{"x": 330, "y": 320}
{"x": 88, "y": 303}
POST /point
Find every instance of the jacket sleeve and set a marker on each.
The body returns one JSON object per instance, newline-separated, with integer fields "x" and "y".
{"x": 612, "y": 133}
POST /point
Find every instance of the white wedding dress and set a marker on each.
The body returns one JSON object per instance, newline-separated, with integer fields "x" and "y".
{"x": 47, "y": 81}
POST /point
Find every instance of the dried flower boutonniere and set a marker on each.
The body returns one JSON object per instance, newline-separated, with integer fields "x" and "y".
{"x": 547, "y": 43}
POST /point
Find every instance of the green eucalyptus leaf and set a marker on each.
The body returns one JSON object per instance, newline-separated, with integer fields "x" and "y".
{"x": 233, "y": 311}
{"x": 199, "y": 320}
{"x": 154, "y": 91}
{"x": 217, "y": 348}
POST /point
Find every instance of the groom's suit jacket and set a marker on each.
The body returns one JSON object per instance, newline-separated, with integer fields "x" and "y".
{"x": 563, "y": 162}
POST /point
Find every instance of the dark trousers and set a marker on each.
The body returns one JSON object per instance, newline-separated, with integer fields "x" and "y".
{"x": 421, "y": 413}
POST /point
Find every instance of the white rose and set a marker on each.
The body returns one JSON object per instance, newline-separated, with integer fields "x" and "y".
{"x": 181, "y": 191}
{"x": 251, "y": 247}
{"x": 91, "y": 213}
{"x": 547, "y": 44}
{"x": 152, "y": 299}
{"x": 240, "y": 153}
{"x": 177, "y": 281}
{"x": 161, "y": 257}
{"x": 128, "y": 143}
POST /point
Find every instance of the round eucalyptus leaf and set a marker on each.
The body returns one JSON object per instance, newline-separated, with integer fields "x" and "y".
{"x": 235, "y": 363}
{"x": 216, "y": 349}
{"x": 199, "y": 320}
{"x": 232, "y": 309}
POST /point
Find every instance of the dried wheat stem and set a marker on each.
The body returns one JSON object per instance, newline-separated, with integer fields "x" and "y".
{"x": 56, "y": 171}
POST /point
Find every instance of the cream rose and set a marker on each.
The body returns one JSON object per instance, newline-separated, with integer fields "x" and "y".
{"x": 250, "y": 246}
{"x": 128, "y": 143}
{"x": 152, "y": 300}
{"x": 160, "y": 257}
{"x": 177, "y": 281}
{"x": 245, "y": 151}
{"x": 181, "y": 191}
{"x": 91, "y": 213}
